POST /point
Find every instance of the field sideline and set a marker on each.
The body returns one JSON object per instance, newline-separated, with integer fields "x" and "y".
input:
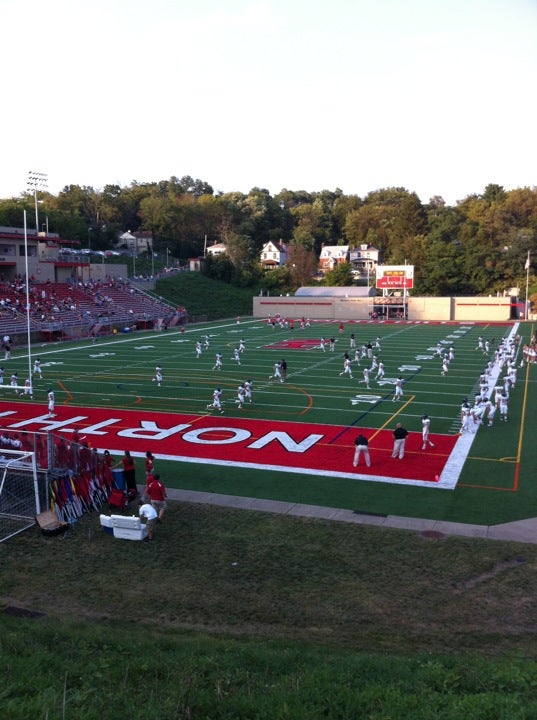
{"x": 295, "y": 441}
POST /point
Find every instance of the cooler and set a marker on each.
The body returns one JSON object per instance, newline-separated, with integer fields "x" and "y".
{"x": 118, "y": 479}
{"x": 107, "y": 524}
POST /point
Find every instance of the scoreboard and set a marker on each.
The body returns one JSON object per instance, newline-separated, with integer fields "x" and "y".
{"x": 395, "y": 277}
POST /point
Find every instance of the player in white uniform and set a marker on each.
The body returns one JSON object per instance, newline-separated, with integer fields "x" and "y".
{"x": 2, "y": 371}
{"x": 14, "y": 382}
{"x": 241, "y": 395}
{"x": 398, "y": 389}
{"x": 380, "y": 371}
{"x": 465, "y": 417}
{"x": 322, "y": 344}
{"x": 37, "y": 368}
{"x": 198, "y": 349}
{"x": 497, "y": 392}
{"x": 365, "y": 373}
{"x": 51, "y": 402}
{"x": 445, "y": 365}
{"x": 483, "y": 386}
{"x": 217, "y": 401}
{"x": 277, "y": 372}
{"x": 206, "y": 341}
{"x": 28, "y": 387}
{"x": 242, "y": 346}
{"x": 158, "y": 375}
{"x": 504, "y": 403}
{"x": 425, "y": 429}
{"x": 490, "y": 408}
{"x": 476, "y": 413}
{"x": 218, "y": 362}
{"x": 248, "y": 390}
{"x": 357, "y": 356}
{"x": 511, "y": 374}
{"x": 347, "y": 369}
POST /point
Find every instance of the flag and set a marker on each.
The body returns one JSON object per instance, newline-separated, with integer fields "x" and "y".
{"x": 527, "y": 265}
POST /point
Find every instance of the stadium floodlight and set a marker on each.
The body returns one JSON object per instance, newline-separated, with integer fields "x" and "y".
{"x": 37, "y": 181}
{"x": 27, "y": 285}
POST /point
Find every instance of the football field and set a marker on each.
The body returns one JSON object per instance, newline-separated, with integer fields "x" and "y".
{"x": 295, "y": 440}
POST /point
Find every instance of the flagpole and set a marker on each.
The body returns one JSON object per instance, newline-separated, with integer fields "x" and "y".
{"x": 527, "y": 268}
{"x": 28, "y": 332}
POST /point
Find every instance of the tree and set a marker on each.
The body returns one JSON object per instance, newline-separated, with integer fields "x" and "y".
{"x": 343, "y": 206}
{"x": 308, "y": 225}
{"x": 301, "y": 264}
{"x": 340, "y": 275}
{"x": 218, "y": 267}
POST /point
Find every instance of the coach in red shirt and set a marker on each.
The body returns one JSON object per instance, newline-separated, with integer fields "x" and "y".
{"x": 156, "y": 492}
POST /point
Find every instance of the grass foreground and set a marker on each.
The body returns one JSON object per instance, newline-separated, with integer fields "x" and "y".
{"x": 233, "y": 614}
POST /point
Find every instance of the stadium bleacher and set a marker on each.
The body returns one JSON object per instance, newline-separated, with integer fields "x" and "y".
{"x": 63, "y": 310}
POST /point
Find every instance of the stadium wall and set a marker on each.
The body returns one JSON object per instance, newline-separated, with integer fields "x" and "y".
{"x": 424, "y": 309}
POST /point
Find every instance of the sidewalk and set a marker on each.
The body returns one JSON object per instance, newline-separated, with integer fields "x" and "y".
{"x": 523, "y": 531}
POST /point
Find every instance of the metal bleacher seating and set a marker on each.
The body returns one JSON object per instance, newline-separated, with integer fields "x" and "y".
{"x": 70, "y": 310}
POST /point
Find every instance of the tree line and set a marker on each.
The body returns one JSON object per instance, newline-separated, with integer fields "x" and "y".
{"x": 478, "y": 246}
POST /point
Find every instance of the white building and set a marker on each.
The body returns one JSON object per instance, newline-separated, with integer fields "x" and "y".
{"x": 138, "y": 242}
{"x": 273, "y": 255}
{"x": 217, "y": 249}
{"x": 364, "y": 260}
{"x": 332, "y": 255}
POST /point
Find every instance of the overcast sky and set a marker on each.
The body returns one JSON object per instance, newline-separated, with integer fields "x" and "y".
{"x": 437, "y": 96}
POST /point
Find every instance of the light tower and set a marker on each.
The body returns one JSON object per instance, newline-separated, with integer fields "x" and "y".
{"x": 37, "y": 181}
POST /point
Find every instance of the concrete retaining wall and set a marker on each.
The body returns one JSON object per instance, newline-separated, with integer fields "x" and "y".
{"x": 439, "y": 309}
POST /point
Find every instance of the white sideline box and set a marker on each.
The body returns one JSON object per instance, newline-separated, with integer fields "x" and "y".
{"x": 125, "y": 527}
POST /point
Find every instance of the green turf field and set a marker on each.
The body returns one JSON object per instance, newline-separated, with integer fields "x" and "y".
{"x": 496, "y": 484}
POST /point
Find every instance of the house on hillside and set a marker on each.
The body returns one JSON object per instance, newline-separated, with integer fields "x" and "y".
{"x": 217, "y": 249}
{"x": 332, "y": 255}
{"x": 273, "y": 255}
{"x": 137, "y": 242}
{"x": 364, "y": 261}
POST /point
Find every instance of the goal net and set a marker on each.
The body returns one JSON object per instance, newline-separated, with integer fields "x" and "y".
{"x": 19, "y": 492}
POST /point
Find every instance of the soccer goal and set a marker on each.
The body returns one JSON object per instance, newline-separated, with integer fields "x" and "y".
{"x": 19, "y": 492}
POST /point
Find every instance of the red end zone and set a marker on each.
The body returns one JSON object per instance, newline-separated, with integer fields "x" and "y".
{"x": 310, "y": 449}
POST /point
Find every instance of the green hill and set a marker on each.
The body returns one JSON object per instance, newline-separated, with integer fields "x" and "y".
{"x": 202, "y": 296}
